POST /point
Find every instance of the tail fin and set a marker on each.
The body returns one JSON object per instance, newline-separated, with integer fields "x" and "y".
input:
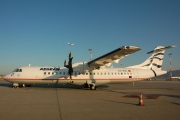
{"x": 155, "y": 61}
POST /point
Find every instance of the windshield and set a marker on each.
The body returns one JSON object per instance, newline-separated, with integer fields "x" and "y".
{"x": 17, "y": 70}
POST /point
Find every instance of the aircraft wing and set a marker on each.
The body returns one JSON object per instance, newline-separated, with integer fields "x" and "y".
{"x": 114, "y": 56}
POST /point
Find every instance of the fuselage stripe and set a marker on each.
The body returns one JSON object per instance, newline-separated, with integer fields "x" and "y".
{"x": 74, "y": 79}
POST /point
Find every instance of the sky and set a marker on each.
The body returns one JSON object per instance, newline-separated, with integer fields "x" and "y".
{"x": 36, "y": 32}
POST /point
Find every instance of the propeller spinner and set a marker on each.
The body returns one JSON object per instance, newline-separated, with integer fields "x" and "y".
{"x": 69, "y": 66}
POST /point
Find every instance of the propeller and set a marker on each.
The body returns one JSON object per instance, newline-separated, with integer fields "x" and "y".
{"x": 69, "y": 66}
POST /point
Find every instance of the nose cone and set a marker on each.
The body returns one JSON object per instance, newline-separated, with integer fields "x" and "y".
{"x": 9, "y": 77}
{"x": 6, "y": 77}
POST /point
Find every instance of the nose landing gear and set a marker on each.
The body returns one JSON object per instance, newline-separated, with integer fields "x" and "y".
{"x": 15, "y": 85}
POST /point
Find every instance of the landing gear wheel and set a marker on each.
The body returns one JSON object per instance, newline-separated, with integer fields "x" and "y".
{"x": 15, "y": 85}
{"x": 92, "y": 87}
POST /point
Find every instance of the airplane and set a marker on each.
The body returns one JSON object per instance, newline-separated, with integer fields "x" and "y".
{"x": 178, "y": 78}
{"x": 93, "y": 73}
{"x": 70, "y": 44}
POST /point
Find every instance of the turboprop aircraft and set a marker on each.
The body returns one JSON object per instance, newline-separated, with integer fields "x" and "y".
{"x": 93, "y": 73}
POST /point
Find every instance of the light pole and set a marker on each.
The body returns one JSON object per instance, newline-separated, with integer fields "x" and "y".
{"x": 90, "y": 50}
{"x": 170, "y": 67}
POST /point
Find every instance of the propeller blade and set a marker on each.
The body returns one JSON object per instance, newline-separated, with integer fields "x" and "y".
{"x": 69, "y": 66}
{"x": 70, "y": 61}
{"x": 70, "y": 54}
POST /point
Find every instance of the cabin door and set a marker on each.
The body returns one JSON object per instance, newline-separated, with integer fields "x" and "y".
{"x": 136, "y": 75}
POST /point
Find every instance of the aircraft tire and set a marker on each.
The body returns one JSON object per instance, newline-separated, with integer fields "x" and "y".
{"x": 92, "y": 87}
{"x": 15, "y": 85}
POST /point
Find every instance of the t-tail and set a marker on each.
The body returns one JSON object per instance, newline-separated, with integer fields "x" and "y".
{"x": 155, "y": 61}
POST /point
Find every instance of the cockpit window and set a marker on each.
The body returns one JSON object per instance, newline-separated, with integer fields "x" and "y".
{"x": 17, "y": 70}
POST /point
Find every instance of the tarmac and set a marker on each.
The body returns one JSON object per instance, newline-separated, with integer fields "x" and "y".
{"x": 108, "y": 102}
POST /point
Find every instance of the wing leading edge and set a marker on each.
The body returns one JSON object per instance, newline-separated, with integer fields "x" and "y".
{"x": 113, "y": 56}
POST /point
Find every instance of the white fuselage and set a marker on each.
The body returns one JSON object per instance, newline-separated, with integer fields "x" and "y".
{"x": 53, "y": 75}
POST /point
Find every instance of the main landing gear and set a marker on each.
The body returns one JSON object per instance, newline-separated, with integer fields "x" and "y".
{"x": 91, "y": 86}
{"x": 16, "y": 85}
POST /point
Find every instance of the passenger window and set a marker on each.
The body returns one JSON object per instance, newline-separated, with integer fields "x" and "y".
{"x": 48, "y": 73}
{"x": 86, "y": 73}
{"x": 44, "y": 73}
{"x": 52, "y": 73}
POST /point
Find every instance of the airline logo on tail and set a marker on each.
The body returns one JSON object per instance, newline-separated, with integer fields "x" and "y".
{"x": 157, "y": 61}
{"x": 157, "y": 57}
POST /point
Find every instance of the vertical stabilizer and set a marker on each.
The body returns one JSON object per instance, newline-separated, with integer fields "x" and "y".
{"x": 155, "y": 61}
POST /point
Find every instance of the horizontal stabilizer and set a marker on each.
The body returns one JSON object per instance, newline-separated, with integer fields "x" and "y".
{"x": 160, "y": 49}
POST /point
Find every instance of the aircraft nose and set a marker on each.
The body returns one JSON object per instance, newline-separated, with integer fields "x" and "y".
{"x": 6, "y": 77}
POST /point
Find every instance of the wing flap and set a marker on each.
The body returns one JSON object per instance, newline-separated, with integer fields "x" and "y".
{"x": 113, "y": 56}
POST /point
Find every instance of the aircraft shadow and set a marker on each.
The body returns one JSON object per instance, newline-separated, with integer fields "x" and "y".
{"x": 67, "y": 86}
{"x": 118, "y": 102}
{"x": 4, "y": 83}
{"x": 136, "y": 94}
{"x": 175, "y": 103}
